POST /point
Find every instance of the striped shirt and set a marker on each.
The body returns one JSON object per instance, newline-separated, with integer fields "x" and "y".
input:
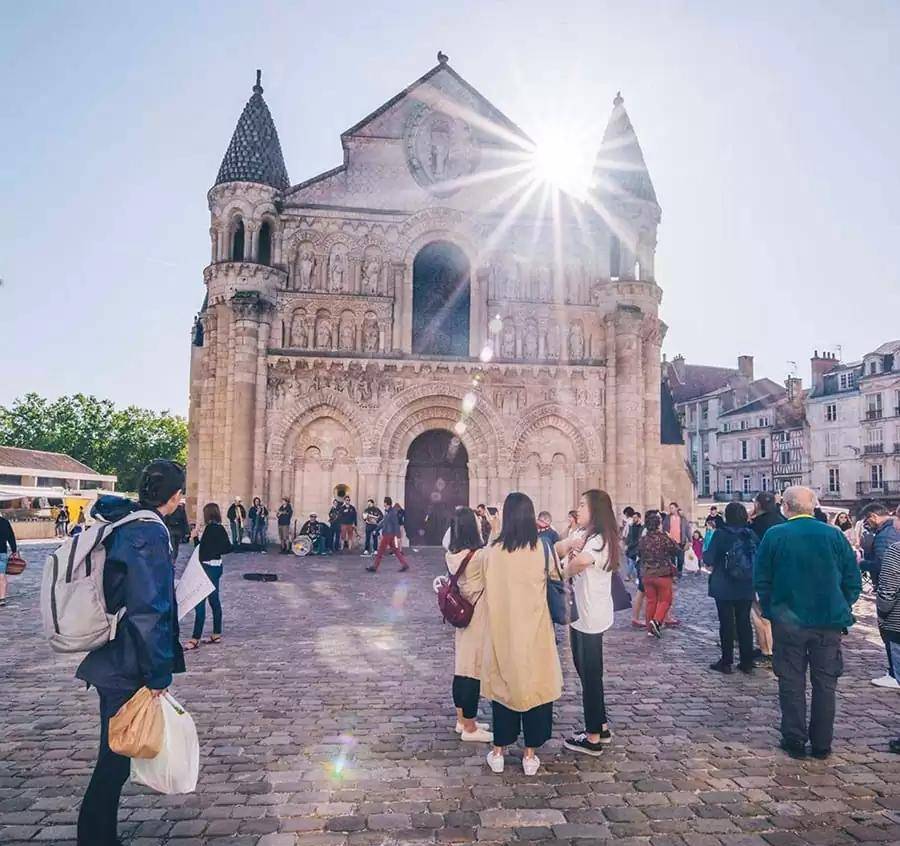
{"x": 888, "y": 599}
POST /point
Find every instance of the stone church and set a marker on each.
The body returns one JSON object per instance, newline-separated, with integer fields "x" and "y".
{"x": 429, "y": 320}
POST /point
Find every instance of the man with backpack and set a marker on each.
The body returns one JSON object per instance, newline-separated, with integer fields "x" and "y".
{"x": 807, "y": 580}
{"x": 142, "y": 647}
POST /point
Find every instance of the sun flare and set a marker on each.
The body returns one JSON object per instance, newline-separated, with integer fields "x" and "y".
{"x": 559, "y": 160}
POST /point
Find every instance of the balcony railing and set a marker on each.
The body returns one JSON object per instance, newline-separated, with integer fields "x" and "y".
{"x": 896, "y": 446}
{"x": 874, "y": 413}
{"x": 735, "y": 496}
{"x": 874, "y": 489}
{"x": 873, "y": 449}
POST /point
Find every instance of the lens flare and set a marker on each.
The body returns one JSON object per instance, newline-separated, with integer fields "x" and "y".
{"x": 460, "y": 428}
{"x": 469, "y": 402}
{"x": 487, "y": 353}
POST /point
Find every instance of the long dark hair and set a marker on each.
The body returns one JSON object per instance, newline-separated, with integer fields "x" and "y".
{"x": 604, "y": 523}
{"x": 735, "y": 515}
{"x": 211, "y": 513}
{"x": 160, "y": 481}
{"x": 464, "y": 533}
{"x": 519, "y": 525}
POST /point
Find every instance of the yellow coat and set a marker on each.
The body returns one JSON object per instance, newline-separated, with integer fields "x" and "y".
{"x": 520, "y": 665}
{"x": 470, "y": 640}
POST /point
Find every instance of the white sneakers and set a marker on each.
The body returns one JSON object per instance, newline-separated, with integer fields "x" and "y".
{"x": 483, "y": 726}
{"x": 886, "y": 681}
{"x": 495, "y": 762}
{"x": 480, "y": 735}
{"x": 530, "y": 766}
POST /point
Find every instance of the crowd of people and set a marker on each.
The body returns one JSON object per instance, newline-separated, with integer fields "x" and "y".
{"x": 784, "y": 575}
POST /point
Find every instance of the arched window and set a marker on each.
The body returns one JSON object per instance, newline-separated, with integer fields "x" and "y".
{"x": 237, "y": 241}
{"x": 265, "y": 243}
{"x": 615, "y": 257}
{"x": 441, "y": 300}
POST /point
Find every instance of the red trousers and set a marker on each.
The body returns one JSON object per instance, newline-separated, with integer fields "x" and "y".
{"x": 389, "y": 542}
{"x": 658, "y": 596}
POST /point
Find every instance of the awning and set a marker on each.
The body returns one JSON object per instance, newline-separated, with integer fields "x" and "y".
{"x": 8, "y": 492}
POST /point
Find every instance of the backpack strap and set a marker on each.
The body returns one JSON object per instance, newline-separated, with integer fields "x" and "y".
{"x": 454, "y": 578}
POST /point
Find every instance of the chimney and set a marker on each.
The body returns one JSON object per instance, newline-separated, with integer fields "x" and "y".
{"x": 678, "y": 366}
{"x": 820, "y": 365}
{"x": 794, "y": 386}
{"x": 745, "y": 366}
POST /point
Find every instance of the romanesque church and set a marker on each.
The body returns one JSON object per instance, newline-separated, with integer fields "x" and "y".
{"x": 428, "y": 320}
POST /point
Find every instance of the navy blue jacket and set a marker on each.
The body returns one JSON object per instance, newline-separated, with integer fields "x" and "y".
{"x": 721, "y": 585}
{"x": 139, "y": 576}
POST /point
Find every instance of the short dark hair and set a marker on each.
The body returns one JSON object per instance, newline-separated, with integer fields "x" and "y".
{"x": 160, "y": 480}
{"x": 637, "y": 514}
{"x": 877, "y": 508}
{"x": 766, "y": 501}
{"x": 735, "y": 514}
{"x": 212, "y": 513}
{"x": 820, "y": 515}
{"x": 573, "y": 513}
{"x": 628, "y": 511}
{"x": 464, "y": 533}
{"x": 481, "y": 505}
{"x": 714, "y": 508}
{"x": 674, "y": 503}
{"x": 388, "y": 501}
{"x": 519, "y": 524}
{"x": 652, "y": 521}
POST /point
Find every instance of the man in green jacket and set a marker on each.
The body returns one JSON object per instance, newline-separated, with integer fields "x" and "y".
{"x": 807, "y": 580}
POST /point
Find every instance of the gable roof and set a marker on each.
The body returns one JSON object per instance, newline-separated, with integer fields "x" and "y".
{"x": 254, "y": 154}
{"x": 759, "y": 404}
{"x": 691, "y": 381}
{"x": 33, "y": 459}
{"x": 441, "y": 67}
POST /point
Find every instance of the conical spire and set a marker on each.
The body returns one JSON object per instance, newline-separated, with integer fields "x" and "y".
{"x": 620, "y": 168}
{"x": 254, "y": 154}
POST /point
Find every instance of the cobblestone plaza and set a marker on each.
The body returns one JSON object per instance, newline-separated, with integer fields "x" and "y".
{"x": 325, "y": 718}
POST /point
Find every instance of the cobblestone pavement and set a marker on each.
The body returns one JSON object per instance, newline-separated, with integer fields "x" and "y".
{"x": 325, "y": 718}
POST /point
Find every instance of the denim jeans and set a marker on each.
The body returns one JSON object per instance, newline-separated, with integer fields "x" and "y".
{"x": 258, "y": 534}
{"x": 215, "y": 574}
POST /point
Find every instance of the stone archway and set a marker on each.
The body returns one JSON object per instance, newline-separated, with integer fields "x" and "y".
{"x": 437, "y": 481}
{"x": 441, "y": 300}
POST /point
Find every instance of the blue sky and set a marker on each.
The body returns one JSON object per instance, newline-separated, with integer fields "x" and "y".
{"x": 771, "y": 133}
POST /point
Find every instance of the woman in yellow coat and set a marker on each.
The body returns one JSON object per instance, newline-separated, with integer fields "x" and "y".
{"x": 520, "y": 671}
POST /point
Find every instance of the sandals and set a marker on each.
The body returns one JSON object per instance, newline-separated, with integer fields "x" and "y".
{"x": 213, "y": 639}
{"x": 191, "y": 644}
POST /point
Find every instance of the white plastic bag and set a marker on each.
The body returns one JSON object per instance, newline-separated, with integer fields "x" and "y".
{"x": 177, "y": 767}
{"x": 691, "y": 564}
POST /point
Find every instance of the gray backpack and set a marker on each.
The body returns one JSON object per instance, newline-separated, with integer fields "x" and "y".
{"x": 73, "y": 606}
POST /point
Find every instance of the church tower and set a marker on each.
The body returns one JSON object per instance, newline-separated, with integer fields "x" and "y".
{"x": 228, "y": 365}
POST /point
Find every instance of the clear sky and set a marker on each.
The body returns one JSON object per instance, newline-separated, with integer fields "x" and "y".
{"x": 770, "y": 129}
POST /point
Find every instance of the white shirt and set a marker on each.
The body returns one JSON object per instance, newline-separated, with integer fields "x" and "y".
{"x": 593, "y": 590}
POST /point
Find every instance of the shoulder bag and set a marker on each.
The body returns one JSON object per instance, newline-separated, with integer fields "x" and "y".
{"x": 454, "y": 607}
{"x": 560, "y": 598}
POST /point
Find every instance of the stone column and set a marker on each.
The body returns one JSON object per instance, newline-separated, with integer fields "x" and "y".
{"x": 219, "y": 407}
{"x": 214, "y": 245}
{"x": 652, "y": 434}
{"x": 403, "y": 303}
{"x": 367, "y": 468}
{"x": 251, "y": 239}
{"x": 259, "y": 424}
{"x": 610, "y": 413}
{"x": 244, "y": 396}
{"x": 629, "y": 406}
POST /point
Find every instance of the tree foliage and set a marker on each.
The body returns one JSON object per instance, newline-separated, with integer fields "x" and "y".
{"x": 109, "y": 440}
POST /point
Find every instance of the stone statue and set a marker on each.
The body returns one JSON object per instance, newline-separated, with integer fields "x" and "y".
{"x": 338, "y": 272}
{"x": 370, "y": 336}
{"x": 511, "y": 280}
{"x": 544, "y": 284}
{"x": 439, "y": 149}
{"x": 508, "y": 340}
{"x": 300, "y": 332}
{"x": 323, "y": 333}
{"x": 553, "y": 341}
{"x": 345, "y": 336}
{"x": 530, "y": 342}
{"x": 576, "y": 342}
{"x": 371, "y": 270}
{"x": 305, "y": 266}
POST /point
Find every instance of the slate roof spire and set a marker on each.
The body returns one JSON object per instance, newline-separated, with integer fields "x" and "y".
{"x": 620, "y": 168}
{"x": 254, "y": 154}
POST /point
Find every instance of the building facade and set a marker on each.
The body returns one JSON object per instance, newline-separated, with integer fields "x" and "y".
{"x": 427, "y": 320}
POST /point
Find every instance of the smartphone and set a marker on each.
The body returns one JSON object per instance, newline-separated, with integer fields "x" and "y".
{"x": 492, "y": 511}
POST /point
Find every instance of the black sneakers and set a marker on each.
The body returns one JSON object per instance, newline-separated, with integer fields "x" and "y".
{"x": 580, "y": 743}
{"x": 722, "y": 667}
{"x": 794, "y": 750}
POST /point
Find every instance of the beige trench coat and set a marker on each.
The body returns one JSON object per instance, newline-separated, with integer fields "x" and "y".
{"x": 520, "y": 666}
{"x": 470, "y": 640}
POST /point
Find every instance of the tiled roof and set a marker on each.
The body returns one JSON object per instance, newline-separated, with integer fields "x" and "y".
{"x": 690, "y": 381}
{"x": 254, "y": 154}
{"x": 620, "y": 168}
{"x": 33, "y": 459}
{"x": 888, "y": 348}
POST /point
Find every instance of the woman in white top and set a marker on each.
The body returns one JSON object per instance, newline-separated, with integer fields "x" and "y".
{"x": 590, "y": 557}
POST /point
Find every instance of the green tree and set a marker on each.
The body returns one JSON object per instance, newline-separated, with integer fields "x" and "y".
{"x": 93, "y": 431}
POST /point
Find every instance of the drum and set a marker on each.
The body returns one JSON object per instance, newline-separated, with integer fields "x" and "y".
{"x": 302, "y": 545}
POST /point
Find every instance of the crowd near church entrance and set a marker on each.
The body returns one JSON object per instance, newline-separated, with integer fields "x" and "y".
{"x": 441, "y": 300}
{"x": 437, "y": 481}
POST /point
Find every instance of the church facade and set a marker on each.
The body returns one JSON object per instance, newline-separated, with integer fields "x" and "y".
{"x": 429, "y": 320}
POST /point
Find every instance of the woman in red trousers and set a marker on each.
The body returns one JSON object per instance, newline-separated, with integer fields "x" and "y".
{"x": 657, "y": 553}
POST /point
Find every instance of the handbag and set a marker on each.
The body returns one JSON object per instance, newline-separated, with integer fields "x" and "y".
{"x": 621, "y": 598}
{"x": 560, "y": 598}
{"x": 15, "y": 564}
{"x": 454, "y": 607}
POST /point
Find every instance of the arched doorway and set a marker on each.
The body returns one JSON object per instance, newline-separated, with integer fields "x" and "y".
{"x": 437, "y": 481}
{"x": 440, "y": 324}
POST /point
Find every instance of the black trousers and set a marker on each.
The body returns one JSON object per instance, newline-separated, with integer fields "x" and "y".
{"x": 734, "y": 619}
{"x": 465, "y": 695}
{"x": 536, "y": 724}
{"x": 795, "y": 650}
{"x": 587, "y": 653}
{"x": 99, "y": 814}
{"x": 372, "y": 534}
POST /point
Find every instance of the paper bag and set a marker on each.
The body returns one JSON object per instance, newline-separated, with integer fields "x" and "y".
{"x": 136, "y": 729}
